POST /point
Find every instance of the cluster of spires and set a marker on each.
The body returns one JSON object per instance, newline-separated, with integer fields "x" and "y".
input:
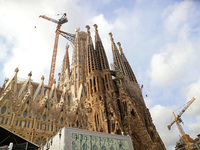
{"x": 93, "y": 62}
{"x": 96, "y": 59}
{"x": 87, "y": 96}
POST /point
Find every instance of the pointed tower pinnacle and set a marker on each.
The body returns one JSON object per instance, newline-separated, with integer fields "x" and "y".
{"x": 78, "y": 60}
{"x": 101, "y": 94}
{"x": 120, "y": 48}
{"x": 117, "y": 59}
{"x": 101, "y": 55}
{"x": 128, "y": 69}
{"x": 65, "y": 67}
{"x": 89, "y": 40}
{"x": 91, "y": 60}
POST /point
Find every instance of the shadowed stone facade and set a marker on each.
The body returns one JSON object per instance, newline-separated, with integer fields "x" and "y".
{"x": 88, "y": 96}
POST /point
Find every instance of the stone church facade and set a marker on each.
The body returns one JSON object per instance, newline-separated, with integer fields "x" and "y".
{"x": 88, "y": 96}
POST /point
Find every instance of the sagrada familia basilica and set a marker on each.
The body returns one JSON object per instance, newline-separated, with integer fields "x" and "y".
{"x": 88, "y": 95}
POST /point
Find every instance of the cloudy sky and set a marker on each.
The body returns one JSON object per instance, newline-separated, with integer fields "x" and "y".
{"x": 161, "y": 40}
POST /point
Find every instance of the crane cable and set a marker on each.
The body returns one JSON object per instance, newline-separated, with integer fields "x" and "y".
{"x": 180, "y": 107}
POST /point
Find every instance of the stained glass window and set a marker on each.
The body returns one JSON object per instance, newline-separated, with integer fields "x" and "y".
{"x": 16, "y": 122}
{"x": 3, "y": 110}
{"x": 61, "y": 121}
{"x": 44, "y": 117}
{"x": 25, "y": 114}
{"x": 2, "y": 120}
{"x": 82, "y": 106}
{"x": 6, "y": 121}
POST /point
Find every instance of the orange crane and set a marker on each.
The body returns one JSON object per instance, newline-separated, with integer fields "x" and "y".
{"x": 177, "y": 120}
{"x": 61, "y": 21}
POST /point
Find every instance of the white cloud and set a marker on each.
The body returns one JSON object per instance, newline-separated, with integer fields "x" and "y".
{"x": 162, "y": 117}
{"x": 193, "y": 91}
{"x": 106, "y": 1}
{"x": 176, "y": 15}
{"x": 32, "y": 50}
{"x": 195, "y": 127}
{"x": 169, "y": 65}
{"x": 104, "y": 27}
{"x": 3, "y": 51}
{"x": 176, "y": 54}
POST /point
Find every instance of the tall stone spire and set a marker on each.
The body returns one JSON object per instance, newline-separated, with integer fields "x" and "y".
{"x": 78, "y": 60}
{"x": 117, "y": 59}
{"x": 101, "y": 98}
{"x": 101, "y": 55}
{"x": 65, "y": 67}
{"x": 127, "y": 68}
{"x": 97, "y": 118}
{"x": 91, "y": 60}
{"x": 103, "y": 62}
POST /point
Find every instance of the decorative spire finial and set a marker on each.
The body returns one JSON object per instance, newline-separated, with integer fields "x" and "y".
{"x": 120, "y": 48}
{"x": 111, "y": 38}
{"x": 30, "y": 73}
{"x": 67, "y": 46}
{"x": 77, "y": 29}
{"x": 88, "y": 29}
{"x": 42, "y": 78}
{"x": 95, "y": 25}
{"x": 17, "y": 69}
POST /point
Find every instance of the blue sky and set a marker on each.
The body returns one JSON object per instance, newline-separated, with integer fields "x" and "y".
{"x": 161, "y": 40}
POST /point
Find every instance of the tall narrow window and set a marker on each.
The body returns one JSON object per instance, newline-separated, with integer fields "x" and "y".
{"x": 16, "y": 122}
{"x": 6, "y": 121}
{"x": 2, "y": 120}
{"x": 44, "y": 117}
{"x": 20, "y": 123}
{"x": 25, "y": 114}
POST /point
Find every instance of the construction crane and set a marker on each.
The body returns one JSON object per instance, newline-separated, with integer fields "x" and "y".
{"x": 177, "y": 120}
{"x": 69, "y": 36}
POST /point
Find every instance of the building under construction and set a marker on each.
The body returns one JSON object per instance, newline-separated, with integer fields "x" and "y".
{"x": 195, "y": 143}
{"x": 88, "y": 95}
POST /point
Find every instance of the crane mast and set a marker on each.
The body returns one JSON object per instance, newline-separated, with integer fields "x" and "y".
{"x": 61, "y": 21}
{"x": 53, "y": 61}
{"x": 189, "y": 147}
{"x": 177, "y": 120}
